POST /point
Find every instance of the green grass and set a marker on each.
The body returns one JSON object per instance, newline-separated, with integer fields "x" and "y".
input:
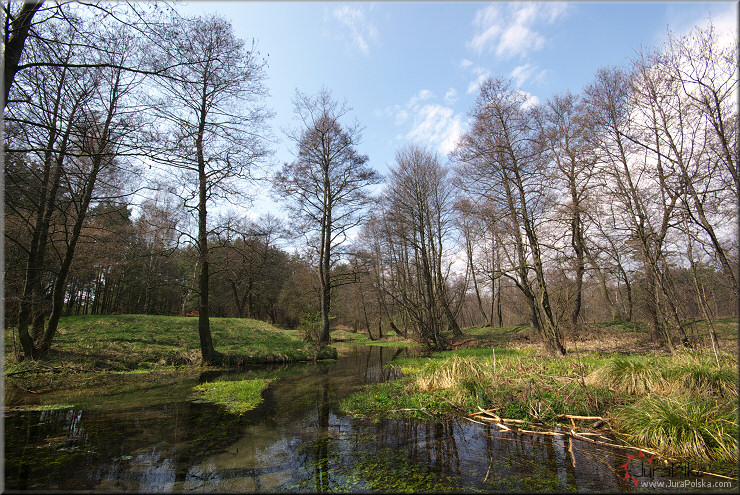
{"x": 390, "y": 340}
{"x": 524, "y": 385}
{"x": 144, "y": 342}
{"x": 630, "y": 375}
{"x": 682, "y": 427}
{"x": 237, "y": 396}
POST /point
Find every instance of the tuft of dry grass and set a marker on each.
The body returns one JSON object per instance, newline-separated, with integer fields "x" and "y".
{"x": 629, "y": 375}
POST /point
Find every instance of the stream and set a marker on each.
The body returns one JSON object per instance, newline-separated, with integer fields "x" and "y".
{"x": 147, "y": 435}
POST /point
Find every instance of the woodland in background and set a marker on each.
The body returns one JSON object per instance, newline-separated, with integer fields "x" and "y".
{"x": 615, "y": 203}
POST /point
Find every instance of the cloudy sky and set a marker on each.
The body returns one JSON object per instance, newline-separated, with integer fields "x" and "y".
{"x": 411, "y": 70}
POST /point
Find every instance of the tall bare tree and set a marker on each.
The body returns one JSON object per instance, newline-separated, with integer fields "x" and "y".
{"x": 563, "y": 129}
{"x": 213, "y": 126}
{"x": 326, "y": 185}
{"x": 72, "y": 133}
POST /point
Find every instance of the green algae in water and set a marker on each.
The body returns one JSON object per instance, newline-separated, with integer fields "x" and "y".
{"x": 237, "y": 396}
{"x": 386, "y": 469}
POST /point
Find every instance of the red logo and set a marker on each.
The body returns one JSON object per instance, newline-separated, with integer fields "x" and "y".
{"x": 626, "y": 466}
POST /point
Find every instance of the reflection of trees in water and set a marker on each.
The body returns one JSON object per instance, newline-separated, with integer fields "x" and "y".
{"x": 90, "y": 447}
{"x": 178, "y": 445}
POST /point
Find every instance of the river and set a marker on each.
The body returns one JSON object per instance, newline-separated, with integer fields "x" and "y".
{"x": 148, "y": 436}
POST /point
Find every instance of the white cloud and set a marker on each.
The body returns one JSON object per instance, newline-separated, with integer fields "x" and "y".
{"x": 522, "y": 72}
{"x": 427, "y": 122}
{"x": 415, "y": 100}
{"x": 512, "y": 30}
{"x": 361, "y": 30}
{"x": 401, "y": 117}
{"x": 725, "y": 24}
{"x": 437, "y": 126}
{"x": 530, "y": 100}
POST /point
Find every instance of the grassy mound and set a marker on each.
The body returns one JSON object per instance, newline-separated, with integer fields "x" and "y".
{"x": 145, "y": 343}
{"x": 683, "y": 427}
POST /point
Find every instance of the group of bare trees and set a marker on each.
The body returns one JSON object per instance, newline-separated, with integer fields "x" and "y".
{"x": 622, "y": 188}
{"x": 97, "y": 91}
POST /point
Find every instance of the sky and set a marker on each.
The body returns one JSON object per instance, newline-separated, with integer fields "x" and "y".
{"x": 410, "y": 70}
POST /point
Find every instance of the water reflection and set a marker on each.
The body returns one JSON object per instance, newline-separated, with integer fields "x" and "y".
{"x": 296, "y": 440}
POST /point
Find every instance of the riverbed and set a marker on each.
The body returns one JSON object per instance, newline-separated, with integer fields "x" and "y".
{"x": 150, "y": 436}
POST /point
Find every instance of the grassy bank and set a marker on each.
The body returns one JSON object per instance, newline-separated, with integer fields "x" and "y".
{"x": 682, "y": 406}
{"x": 344, "y": 335}
{"x": 130, "y": 343}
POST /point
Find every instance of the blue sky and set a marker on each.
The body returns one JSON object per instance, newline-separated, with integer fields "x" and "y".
{"x": 410, "y": 70}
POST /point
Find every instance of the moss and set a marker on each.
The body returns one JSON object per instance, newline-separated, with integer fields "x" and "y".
{"x": 237, "y": 396}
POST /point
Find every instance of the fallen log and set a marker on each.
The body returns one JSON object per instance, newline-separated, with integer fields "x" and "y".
{"x": 586, "y": 418}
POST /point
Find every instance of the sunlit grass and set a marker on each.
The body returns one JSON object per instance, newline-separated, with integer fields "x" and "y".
{"x": 673, "y": 404}
{"x": 237, "y": 396}
{"x": 629, "y": 375}
{"x": 147, "y": 342}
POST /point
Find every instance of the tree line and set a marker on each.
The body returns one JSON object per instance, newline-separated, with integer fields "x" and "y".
{"x": 126, "y": 124}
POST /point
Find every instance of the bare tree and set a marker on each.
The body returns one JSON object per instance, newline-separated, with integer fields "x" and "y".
{"x": 325, "y": 186}
{"x": 419, "y": 201}
{"x": 700, "y": 108}
{"x": 17, "y": 26}
{"x": 76, "y": 131}
{"x": 563, "y": 129}
{"x": 213, "y": 126}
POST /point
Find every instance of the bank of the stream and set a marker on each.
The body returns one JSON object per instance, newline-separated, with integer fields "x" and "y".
{"x": 147, "y": 342}
{"x": 91, "y": 350}
{"x": 682, "y": 406}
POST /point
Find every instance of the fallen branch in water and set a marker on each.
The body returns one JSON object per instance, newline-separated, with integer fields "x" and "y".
{"x": 572, "y": 434}
{"x": 549, "y": 433}
{"x": 501, "y": 426}
{"x": 587, "y": 418}
{"x": 485, "y": 411}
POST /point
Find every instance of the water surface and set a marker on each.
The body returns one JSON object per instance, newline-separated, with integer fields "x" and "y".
{"x": 146, "y": 435}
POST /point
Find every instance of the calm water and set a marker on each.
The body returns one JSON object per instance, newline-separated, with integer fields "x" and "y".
{"x": 152, "y": 438}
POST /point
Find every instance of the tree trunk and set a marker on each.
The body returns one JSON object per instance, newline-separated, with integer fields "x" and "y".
{"x": 14, "y": 43}
{"x": 204, "y": 324}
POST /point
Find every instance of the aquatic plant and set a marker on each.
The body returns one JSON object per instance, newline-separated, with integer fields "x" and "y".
{"x": 237, "y": 396}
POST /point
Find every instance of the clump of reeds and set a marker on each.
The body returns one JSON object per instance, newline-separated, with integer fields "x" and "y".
{"x": 684, "y": 427}
{"x": 688, "y": 373}
{"x": 629, "y": 375}
{"x": 453, "y": 372}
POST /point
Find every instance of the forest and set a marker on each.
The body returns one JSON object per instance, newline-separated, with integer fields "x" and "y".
{"x": 129, "y": 130}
